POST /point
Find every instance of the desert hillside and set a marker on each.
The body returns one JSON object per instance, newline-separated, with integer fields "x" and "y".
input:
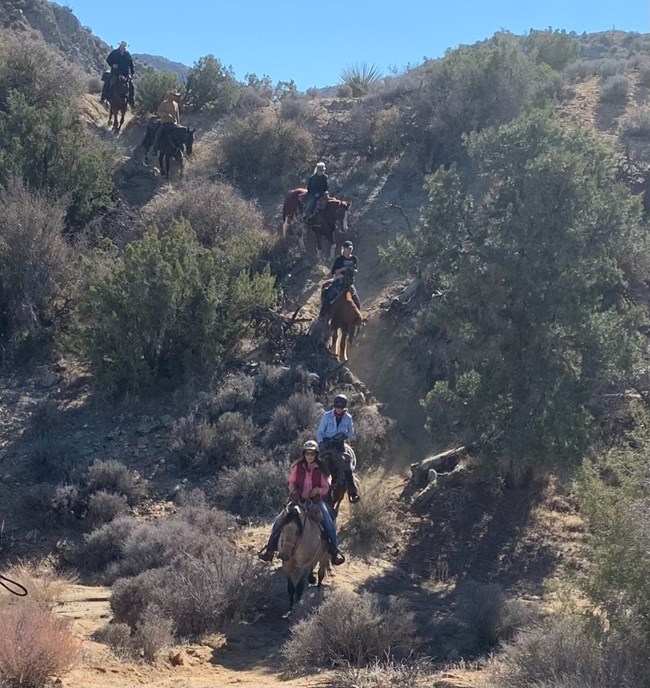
{"x": 161, "y": 369}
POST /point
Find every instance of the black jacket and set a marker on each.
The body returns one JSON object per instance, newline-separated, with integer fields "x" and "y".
{"x": 318, "y": 184}
{"x": 122, "y": 60}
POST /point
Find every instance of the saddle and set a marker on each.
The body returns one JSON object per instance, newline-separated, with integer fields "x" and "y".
{"x": 294, "y": 511}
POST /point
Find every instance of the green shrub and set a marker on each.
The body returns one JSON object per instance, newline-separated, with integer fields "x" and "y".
{"x": 211, "y": 86}
{"x": 554, "y": 48}
{"x": 153, "y": 86}
{"x": 114, "y": 477}
{"x": 637, "y": 123}
{"x": 385, "y": 134}
{"x": 165, "y": 308}
{"x": 516, "y": 331}
{"x": 104, "y": 507}
{"x": 360, "y": 77}
{"x": 615, "y": 89}
{"x": 263, "y": 153}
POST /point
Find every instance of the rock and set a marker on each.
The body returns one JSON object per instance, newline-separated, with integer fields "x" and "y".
{"x": 176, "y": 658}
{"x": 48, "y": 379}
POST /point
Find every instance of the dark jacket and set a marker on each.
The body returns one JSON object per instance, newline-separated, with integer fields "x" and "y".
{"x": 318, "y": 184}
{"x": 350, "y": 263}
{"x": 122, "y": 60}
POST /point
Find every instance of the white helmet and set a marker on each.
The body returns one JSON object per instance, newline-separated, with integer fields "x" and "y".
{"x": 310, "y": 445}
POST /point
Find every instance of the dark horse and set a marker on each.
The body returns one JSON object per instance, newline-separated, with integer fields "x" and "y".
{"x": 338, "y": 456}
{"x": 170, "y": 145}
{"x": 118, "y": 99}
{"x": 331, "y": 214}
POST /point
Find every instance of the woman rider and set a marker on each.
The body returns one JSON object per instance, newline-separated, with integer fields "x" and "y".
{"x": 308, "y": 480}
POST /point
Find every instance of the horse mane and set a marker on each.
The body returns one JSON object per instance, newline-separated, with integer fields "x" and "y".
{"x": 350, "y": 300}
{"x": 293, "y": 515}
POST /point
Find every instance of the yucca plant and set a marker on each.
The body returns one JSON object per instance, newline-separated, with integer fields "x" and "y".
{"x": 360, "y": 77}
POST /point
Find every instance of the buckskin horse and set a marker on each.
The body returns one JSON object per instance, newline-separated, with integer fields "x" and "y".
{"x": 118, "y": 99}
{"x": 301, "y": 546}
{"x": 335, "y": 212}
{"x": 170, "y": 145}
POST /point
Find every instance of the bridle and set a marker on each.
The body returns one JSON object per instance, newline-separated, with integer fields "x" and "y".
{"x": 12, "y": 586}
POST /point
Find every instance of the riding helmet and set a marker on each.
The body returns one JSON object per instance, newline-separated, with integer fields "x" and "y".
{"x": 310, "y": 445}
{"x": 347, "y": 244}
{"x": 340, "y": 401}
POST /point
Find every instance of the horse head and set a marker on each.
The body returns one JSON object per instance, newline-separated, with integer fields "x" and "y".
{"x": 342, "y": 212}
{"x": 189, "y": 140}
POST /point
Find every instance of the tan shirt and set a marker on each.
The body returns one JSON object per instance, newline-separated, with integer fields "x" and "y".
{"x": 168, "y": 111}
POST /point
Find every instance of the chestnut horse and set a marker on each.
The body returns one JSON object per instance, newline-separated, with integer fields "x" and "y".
{"x": 323, "y": 225}
{"x": 345, "y": 320}
{"x": 301, "y": 547}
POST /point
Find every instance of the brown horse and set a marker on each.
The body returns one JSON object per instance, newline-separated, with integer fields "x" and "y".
{"x": 118, "y": 99}
{"x": 345, "y": 322}
{"x": 301, "y": 546}
{"x": 332, "y": 213}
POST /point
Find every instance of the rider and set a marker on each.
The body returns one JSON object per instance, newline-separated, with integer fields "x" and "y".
{"x": 343, "y": 270}
{"x": 169, "y": 115}
{"x": 336, "y": 425}
{"x": 121, "y": 64}
{"x": 308, "y": 480}
{"x": 316, "y": 187}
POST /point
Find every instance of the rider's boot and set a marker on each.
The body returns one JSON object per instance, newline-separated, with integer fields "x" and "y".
{"x": 335, "y": 553}
{"x": 268, "y": 552}
{"x": 353, "y": 495}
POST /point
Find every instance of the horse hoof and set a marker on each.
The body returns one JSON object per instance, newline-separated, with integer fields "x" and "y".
{"x": 312, "y": 579}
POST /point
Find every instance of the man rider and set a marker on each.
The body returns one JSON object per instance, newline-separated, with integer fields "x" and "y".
{"x": 169, "y": 115}
{"x": 343, "y": 270}
{"x": 121, "y": 64}
{"x": 317, "y": 186}
{"x": 335, "y": 425}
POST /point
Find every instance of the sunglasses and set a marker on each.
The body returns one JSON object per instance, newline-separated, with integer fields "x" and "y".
{"x": 310, "y": 451}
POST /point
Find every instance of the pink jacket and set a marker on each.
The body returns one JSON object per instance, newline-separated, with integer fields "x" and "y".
{"x": 302, "y": 481}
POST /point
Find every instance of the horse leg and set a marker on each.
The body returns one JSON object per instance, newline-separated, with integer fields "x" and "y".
{"x": 300, "y": 588}
{"x": 180, "y": 163}
{"x": 319, "y": 256}
{"x": 291, "y": 590}
{"x": 322, "y": 570}
{"x": 285, "y": 227}
{"x": 343, "y": 347}
{"x": 335, "y": 334}
{"x": 161, "y": 159}
{"x": 301, "y": 240}
{"x": 332, "y": 246}
{"x": 121, "y": 120}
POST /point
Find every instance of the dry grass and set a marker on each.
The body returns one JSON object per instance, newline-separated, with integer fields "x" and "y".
{"x": 351, "y": 629}
{"x": 373, "y": 524}
{"x": 46, "y": 588}
{"x": 35, "y": 645}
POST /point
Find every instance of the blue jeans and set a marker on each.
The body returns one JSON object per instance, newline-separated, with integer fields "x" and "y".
{"x": 310, "y": 204}
{"x": 328, "y": 524}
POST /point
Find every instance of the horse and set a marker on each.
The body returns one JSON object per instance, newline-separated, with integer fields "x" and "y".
{"x": 338, "y": 456}
{"x": 330, "y": 214}
{"x": 170, "y": 145}
{"x": 345, "y": 323}
{"x": 118, "y": 99}
{"x": 302, "y": 545}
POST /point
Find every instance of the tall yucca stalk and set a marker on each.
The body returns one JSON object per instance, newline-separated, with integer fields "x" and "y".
{"x": 360, "y": 77}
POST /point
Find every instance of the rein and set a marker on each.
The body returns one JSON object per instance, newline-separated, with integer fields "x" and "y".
{"x": 12, "y": 586}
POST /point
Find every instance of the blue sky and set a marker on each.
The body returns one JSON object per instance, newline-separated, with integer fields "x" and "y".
{"x": 312, "y": 42}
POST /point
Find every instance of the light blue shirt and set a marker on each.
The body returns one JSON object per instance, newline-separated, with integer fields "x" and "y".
{"x": 328, "y": 427}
